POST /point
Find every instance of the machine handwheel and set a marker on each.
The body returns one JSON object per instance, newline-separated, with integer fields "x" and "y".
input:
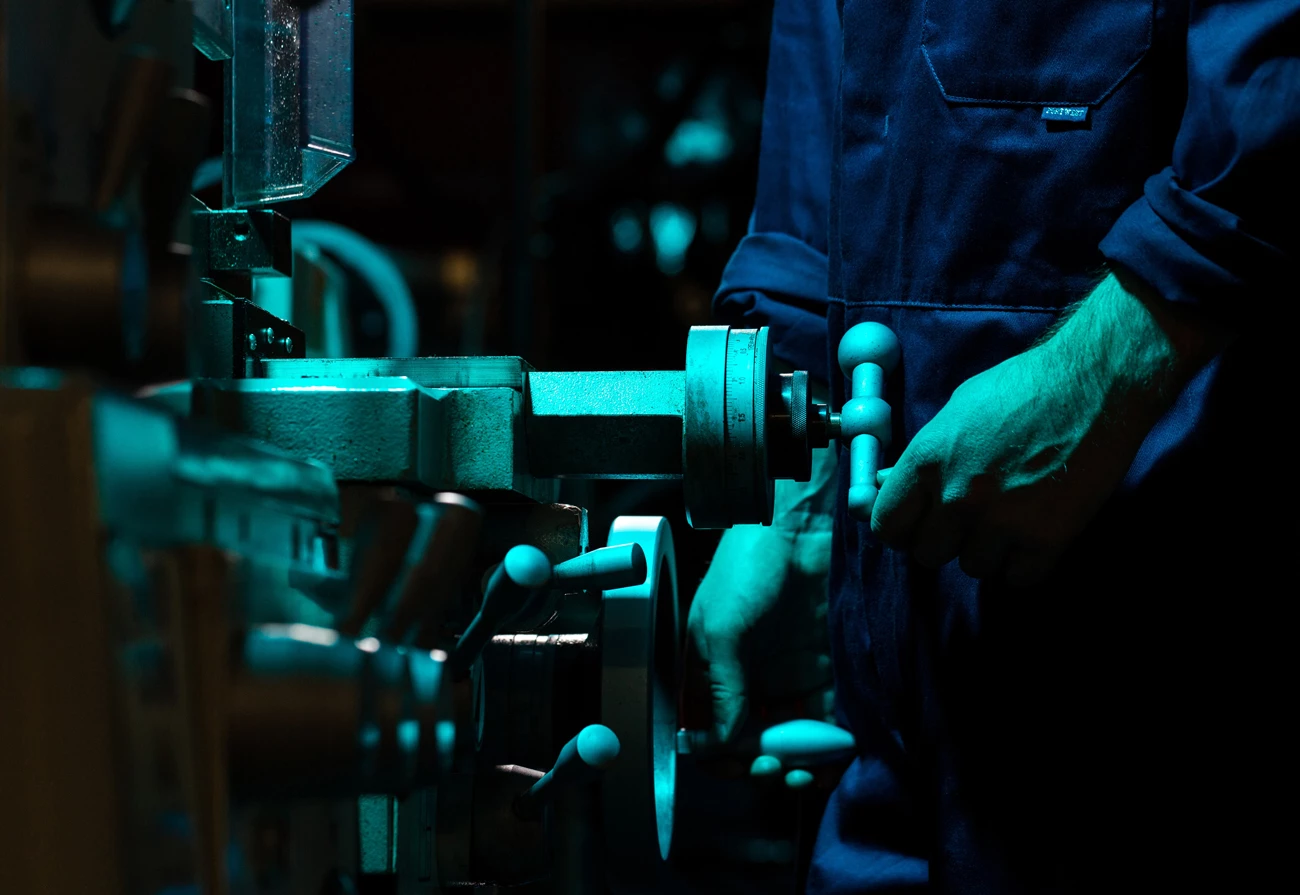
{"x": 641, "y": 667}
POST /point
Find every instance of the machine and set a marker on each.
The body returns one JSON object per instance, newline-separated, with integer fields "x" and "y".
{"x": 295, "y": 624}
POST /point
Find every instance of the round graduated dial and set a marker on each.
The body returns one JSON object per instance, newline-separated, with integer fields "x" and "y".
{"x": 745, "y": 448}
{"x": 725, "y": 438}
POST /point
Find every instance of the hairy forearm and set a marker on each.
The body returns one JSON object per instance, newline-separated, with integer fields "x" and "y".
{"x": 1135, "y": 348}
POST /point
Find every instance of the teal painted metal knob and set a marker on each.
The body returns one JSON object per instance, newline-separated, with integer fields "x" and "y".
{"x": 580, "y": 762}
{"x": 523, "y": 572}
{"x": 527, "y": 566}
{"x": 865, "y": 416}
{"x": 867, "y": 352}
{"x": 868, "y": 343}
{"x": 806, "y": 743}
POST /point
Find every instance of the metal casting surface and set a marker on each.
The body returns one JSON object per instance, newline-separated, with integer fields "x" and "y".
{"x": 430, "y": 372}
{"x": 605, "y": 425}
{"x": 384, "y": 430}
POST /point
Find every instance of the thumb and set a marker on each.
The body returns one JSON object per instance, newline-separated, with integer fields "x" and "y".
{"x": 726, "y": 675}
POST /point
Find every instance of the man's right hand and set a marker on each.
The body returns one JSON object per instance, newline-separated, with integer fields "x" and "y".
{"x": 757, "y": 623}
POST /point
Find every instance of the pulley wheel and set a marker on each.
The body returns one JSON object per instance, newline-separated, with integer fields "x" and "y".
{"x": 640, "y": 671}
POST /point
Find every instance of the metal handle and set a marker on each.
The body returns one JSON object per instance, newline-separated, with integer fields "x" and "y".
{"x": 580, "y": 762}
{"x": 867, "y": 352}
{"x": 805, "y": 742}
{"x": 607, "y": 568}
{"x": 521, "y": 574}
{"x": 524, "y": 572}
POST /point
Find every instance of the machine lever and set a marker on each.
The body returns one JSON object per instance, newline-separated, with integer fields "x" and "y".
{"x": 805, "y": 742}
{"x": 867, "y": 352}
{"x": 605, "y": 569}
{"x": 580, "y": 762}
{"x": 802, "y": 742}
{"x": 523, "y": 572}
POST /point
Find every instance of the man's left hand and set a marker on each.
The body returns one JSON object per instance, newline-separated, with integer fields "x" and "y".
{"x": 1024, "y": 454}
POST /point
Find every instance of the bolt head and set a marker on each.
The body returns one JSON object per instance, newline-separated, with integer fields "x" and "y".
{"x": 287, "y": 344}
{"x": 252, "y": 341}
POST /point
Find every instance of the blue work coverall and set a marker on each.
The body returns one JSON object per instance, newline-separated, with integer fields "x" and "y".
{"x": 963, "y": 170}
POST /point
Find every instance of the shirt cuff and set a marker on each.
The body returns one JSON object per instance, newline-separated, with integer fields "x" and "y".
{"x": 1189, "y": 250}
{"x": 778, "y": 281}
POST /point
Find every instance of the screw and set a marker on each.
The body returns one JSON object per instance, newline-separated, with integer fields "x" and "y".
{"x": 268, "y": 335}
{"x": 287, "y": 344}
{"x": 252, "y": 341}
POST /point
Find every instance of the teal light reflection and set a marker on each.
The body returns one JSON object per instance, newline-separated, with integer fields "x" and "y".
{"x": 672, "y": 228}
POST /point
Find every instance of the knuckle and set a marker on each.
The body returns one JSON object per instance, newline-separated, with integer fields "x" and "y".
{"x": 726, "y": 692}
{"x": 922, "y": 455}
{"x": 718, "y": 628}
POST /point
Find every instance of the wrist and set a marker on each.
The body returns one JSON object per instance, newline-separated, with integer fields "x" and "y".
{"x": 1192, "y": 336}
{"x": 1130, "y": 349}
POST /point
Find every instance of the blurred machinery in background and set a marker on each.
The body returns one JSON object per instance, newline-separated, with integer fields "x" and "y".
{"x": 297, "y": 622}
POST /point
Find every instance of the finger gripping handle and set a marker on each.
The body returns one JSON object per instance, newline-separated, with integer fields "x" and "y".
{"x": 866, "y": 353}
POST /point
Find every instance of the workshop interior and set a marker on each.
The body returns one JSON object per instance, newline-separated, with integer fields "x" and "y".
{"x": 364, "y": 432}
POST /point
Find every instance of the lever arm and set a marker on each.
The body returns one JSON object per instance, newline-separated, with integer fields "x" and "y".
{"x": 580, "y": 762}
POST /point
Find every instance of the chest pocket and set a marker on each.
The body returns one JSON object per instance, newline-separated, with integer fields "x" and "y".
{"x": 1040, "y": 52}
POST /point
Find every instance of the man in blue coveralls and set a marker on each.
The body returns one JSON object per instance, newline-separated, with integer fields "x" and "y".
{"x": 1059, "y": 642}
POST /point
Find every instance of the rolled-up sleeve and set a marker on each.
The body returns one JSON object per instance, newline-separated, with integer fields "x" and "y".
{"x": 777, "y": 275}
{"x": 1219, "y": 227}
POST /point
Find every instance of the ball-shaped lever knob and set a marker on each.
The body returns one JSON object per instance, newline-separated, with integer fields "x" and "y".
{"x": 866, "y": 416}
{"x": 527, "y": 566}
{"x": 868, "y": 343}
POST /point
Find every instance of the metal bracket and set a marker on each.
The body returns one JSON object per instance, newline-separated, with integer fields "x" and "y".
{"x": 233, "y": 337}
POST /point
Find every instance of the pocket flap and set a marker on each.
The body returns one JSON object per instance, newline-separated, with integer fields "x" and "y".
{"x": 1045, "y": 52}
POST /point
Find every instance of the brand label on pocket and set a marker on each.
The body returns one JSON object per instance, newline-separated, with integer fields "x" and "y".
{"x": 1065, "y": 113}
